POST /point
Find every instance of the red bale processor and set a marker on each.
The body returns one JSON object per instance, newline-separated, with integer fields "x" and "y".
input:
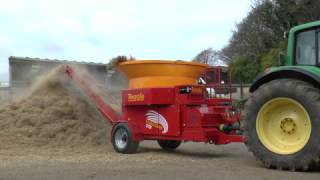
{"x": 171, "y": 102}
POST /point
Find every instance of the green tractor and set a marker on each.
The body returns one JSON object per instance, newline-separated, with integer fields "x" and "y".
{"x": 282, "y": 115}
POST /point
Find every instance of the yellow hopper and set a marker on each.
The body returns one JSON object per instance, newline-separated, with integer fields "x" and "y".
{"x": 159, "y": 73}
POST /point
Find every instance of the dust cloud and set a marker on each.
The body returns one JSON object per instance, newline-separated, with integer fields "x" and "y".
{"x": 55, "y": 114}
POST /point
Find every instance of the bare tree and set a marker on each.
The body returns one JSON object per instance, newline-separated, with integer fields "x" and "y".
{"x": 209, "y": 56}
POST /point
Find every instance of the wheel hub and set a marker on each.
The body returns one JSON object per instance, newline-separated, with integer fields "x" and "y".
{"x": 288, "y": 126}
{"x": 121, "y": 138}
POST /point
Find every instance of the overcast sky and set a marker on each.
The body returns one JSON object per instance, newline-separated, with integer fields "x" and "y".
{"x": 97, "y": 30}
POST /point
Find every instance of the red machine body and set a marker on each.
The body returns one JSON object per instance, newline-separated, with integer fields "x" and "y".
{"x": 187, "y": 113}
{"x": 201, "y": 113}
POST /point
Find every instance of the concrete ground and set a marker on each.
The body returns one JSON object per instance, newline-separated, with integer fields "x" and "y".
{"x": 191, "y": 161}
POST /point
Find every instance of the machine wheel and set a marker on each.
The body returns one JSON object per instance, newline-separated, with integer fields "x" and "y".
{"x": 169, "y": 144}
{"x": 122, "y": 139}
{"x": 282, "y": 124}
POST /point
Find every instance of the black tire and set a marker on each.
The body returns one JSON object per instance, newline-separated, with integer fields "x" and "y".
{"x": 305, "y": 94}
{"x": 122, "y": 140}
{"x": 169, "y": 144}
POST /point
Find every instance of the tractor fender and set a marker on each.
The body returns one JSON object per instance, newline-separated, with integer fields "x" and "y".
{"x": 292, "y": 73}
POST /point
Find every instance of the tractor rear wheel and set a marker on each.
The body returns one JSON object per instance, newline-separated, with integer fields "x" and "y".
{"x": 169, "y": 144}
{"x": 122, "y": 139}
{"x": 282, "y": 124}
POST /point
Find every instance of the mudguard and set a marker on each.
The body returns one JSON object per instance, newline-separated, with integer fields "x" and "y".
{"x": 290, "y": 72}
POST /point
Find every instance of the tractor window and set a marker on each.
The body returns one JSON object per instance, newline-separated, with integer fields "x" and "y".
{"x": 306, "y": 48}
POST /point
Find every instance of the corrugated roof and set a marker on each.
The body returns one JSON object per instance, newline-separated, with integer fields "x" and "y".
{"x": 16, "y": 58}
